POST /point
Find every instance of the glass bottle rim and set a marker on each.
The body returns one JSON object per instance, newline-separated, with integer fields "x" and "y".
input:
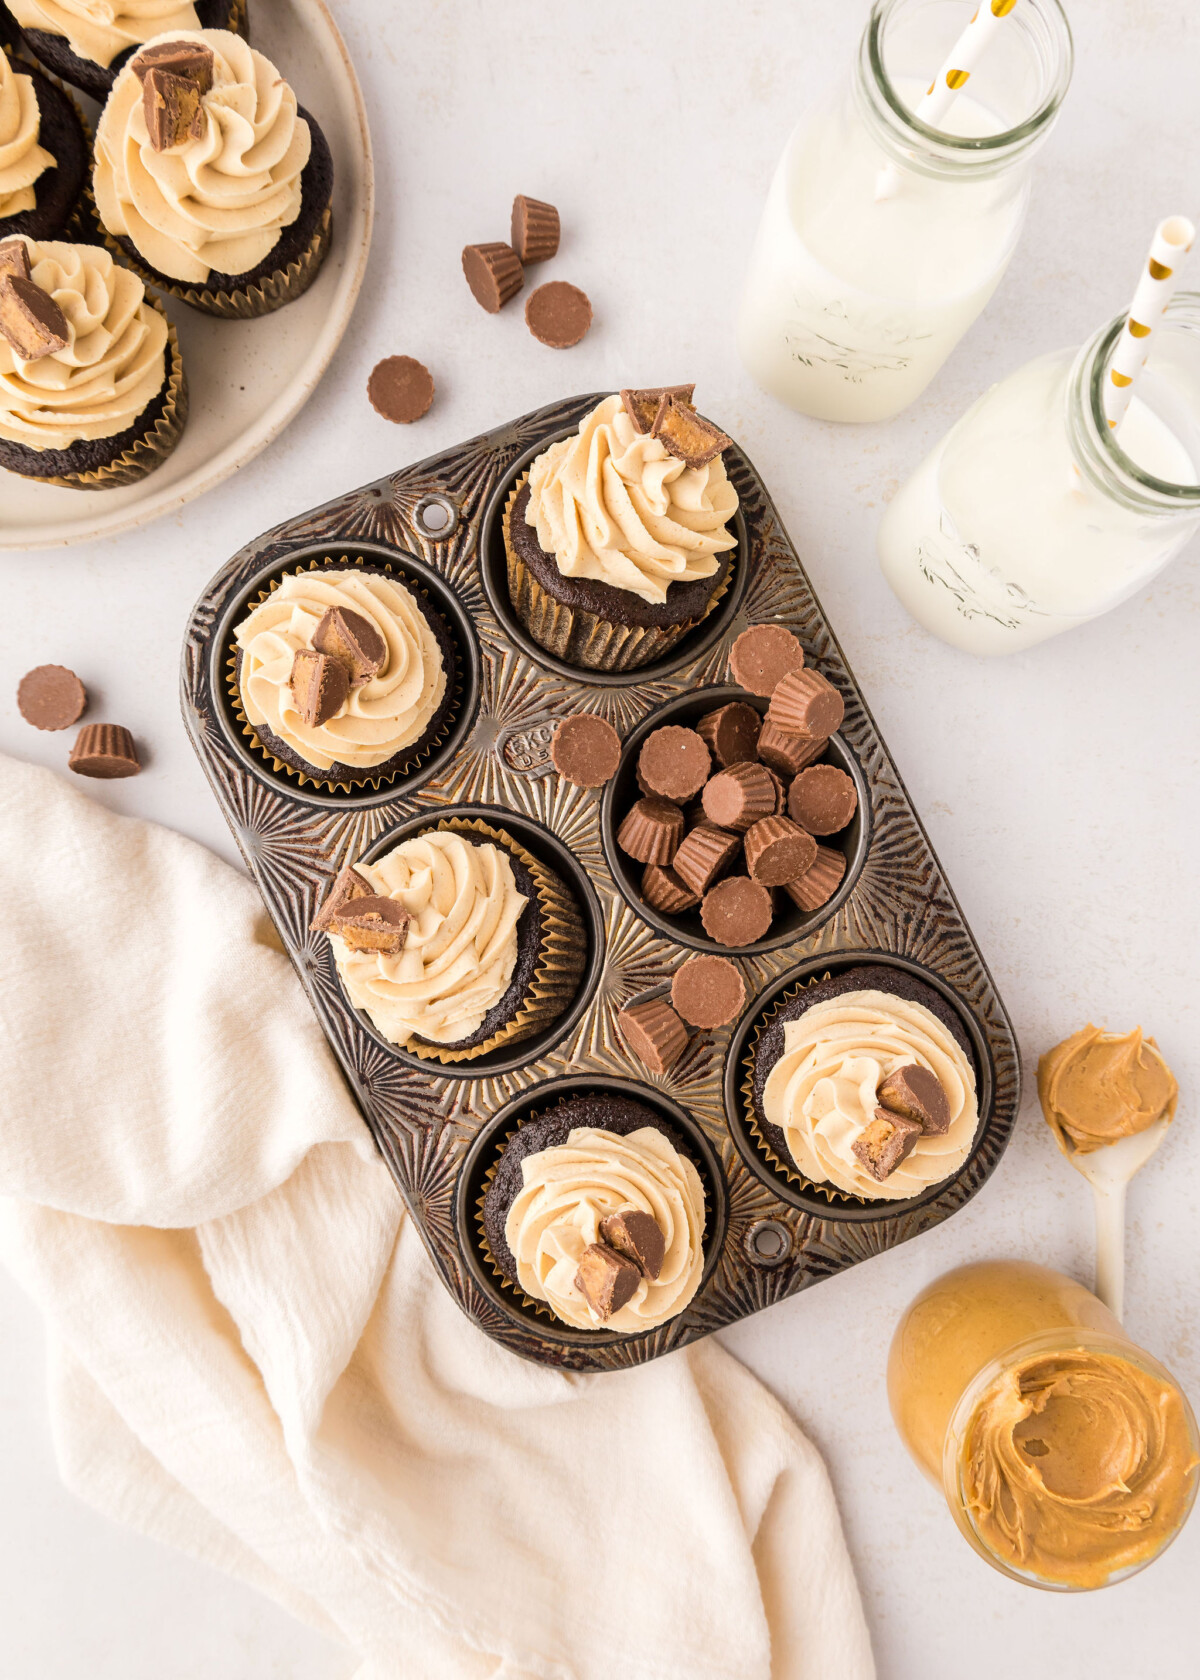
{"x": 968, "y": 149}
{"x": 1064, "y": 1338}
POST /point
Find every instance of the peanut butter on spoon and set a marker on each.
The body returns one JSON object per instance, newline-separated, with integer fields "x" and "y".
{"x": 1097, "y": 1086}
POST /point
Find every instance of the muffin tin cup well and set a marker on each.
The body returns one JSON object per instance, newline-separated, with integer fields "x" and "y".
{"x": 485, "y": 1154}
{"x": 785, "y": 1179}
{"x": 437, "y": 524}
{"x": 791, "y": 924}
{"x": 463, "y": 681}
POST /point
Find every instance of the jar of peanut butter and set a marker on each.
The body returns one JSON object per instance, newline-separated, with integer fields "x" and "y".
{"x": 1067, "y": 1455}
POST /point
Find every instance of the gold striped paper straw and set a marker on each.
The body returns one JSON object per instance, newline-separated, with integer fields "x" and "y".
{"x": 965, "y": 57}
{"x": 1160, "y": 275}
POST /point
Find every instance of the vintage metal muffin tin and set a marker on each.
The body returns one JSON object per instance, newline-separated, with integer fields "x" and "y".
{"x": 438, "y": 523}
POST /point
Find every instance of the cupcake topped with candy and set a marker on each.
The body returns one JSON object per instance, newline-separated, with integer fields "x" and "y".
{"x": 87, "y": 42}
{"x": 44, "y": 151}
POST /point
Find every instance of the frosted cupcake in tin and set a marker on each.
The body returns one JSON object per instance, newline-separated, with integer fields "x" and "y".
{"x": 44, "y": 155}
{"x": 210, "y": 179}
{"x": 618, "y": 539}
{"x": 344, "y": 676}
{"x": 87, "y": 42}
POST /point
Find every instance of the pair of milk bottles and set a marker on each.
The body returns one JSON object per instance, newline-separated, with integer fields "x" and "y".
{"x": 881, "y": 241}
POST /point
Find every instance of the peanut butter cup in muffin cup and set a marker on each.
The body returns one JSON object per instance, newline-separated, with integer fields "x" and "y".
{"x": 824, "y": 1092}
{"x": 343, "y": 674}
{"x": 262, "y": 246}
{"x": 78, "y": 316}
{"x": 490, "y": 939}
{"x": 73, "y": 39}
{"x": 616, "y": 538}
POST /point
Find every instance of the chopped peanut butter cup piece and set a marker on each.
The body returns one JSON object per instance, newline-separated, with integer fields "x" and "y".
{"x": 788, "y": 754}
{"x": 178, "y": 58}
{"x": 736, "y": 798}
{"x": 884, "y": 1142}
{"x": 663, "y": 891}
{"x": 586, "y": 750}
{"x": 105, "y": 751}
{"x": 822, "y": 799}
{"x": 494, "y": 274}
{"x": 535, "y": 229}
{"x": 558, "y": 314}
{"x": 804, "y": 703}
{"x": 818, "y": 884}
{"x": 30, "y": 320}
{"x": 606, "y": 1279}
{"x": 674, "y": 762}
{"x": 654, "y": 1033}
{"x": 348, "y": 886}
{"x": 51, "y": 697}
{"x": 320, "y": 686}
{"x": 916, "y": 1093}
{"x": 14, "y": 259}
{"x": 708, "y": 991}
{"x": 737, "y": 911}
{"x": 686, "y": 434}
{"x": 705, "y": 854}
{"x": 762, "y": 655}
{"x": 372, "y": 924}
{"x": 638, "y": 1236}
{"x": 778, "y": 852}
{"x": 651, "y": 831}
{"x": 731, "y": 733}
{"x": 173, "y": 107}
{"x": 349, "y": 637}
{"x": 642, "y": 405}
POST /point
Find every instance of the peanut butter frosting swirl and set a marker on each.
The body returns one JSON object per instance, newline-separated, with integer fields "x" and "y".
{"x": 22, "y": 160}
{"x": 1098, "y": 1086}
{"x": 102, "y": 29}
{"x": 387, "y": 713}
{"x": 821, "y": 1092}
{"x": 570, "y": 1187}
{"x": 218, "y": 201}
{"x": 461, "y": 950}
{"x": 113, "y": 365}
{"x": 1077, "y": 1465}
{"x": 612, "y": 504}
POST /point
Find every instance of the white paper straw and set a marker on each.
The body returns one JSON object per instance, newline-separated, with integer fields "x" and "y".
{"x": 965, "y": 56}
{"x": 1160, "y": 276}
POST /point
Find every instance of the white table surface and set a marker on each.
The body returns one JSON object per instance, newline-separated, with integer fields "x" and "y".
{"x": 1058, "y": 787}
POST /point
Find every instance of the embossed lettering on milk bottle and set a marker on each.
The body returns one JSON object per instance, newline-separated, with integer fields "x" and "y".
{"x": 882, "y": 239}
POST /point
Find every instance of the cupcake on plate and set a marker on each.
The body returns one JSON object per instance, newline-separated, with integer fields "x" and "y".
{"x": 597, "y": 1210}
{"x": 457, "y": 941}
{"x": 92, "y": 388}
{"x": 865, "y": 1084}
{"x": 44, "y": 155}
{"x": 345, "y": 676}
{"x": 617, "y": 538}
{"x": 210, "y": 179}
{"x": 88, "y": 44}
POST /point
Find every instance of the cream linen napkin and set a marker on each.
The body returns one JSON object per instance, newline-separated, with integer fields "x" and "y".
{"x": 251, "y": 1355}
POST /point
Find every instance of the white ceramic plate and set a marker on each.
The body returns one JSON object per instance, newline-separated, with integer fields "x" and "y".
{"x": 248, "y": 379}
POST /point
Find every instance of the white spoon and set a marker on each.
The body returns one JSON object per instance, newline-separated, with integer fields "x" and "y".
{"x": 1108, "y": 1170}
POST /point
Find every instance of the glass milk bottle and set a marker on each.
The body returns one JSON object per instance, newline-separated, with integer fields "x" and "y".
{"x": 856, "y": 295}
{"x": 1032, "y": 516}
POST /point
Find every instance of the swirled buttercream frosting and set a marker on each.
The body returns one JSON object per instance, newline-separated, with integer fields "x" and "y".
{"x": 219, "y": 200}
{"x": 113, "y": 365}
{"x": 1096, "y": 1087}
{"x": 612, "y": 504}
{"x": 102, "y": 29}
{"x": 569, "y": 1188}
{"x": 461, "y": 949}
{"x": 387, "y": 713}
{"x": 821, "y": 1092}
{"x": 22, "y": 160}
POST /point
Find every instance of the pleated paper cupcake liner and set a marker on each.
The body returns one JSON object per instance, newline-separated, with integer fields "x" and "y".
{"x": 542, "y": 1308}
{"x": 580, "y": 637}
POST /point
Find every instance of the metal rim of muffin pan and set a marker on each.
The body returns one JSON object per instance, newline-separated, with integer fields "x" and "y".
{"x": 437, "y": 522}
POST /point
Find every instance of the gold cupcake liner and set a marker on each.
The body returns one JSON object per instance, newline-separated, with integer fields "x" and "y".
{"x": 580, "y": 637}
{"x": 151, "y": 450}
{"x": 556, "y": 978}
{"x": 239, "y": 19}
{"x": 368, "y": 777}
{"x": 788, "y": 1167}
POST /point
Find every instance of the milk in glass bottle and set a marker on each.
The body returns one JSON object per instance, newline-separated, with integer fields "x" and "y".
{"x": 1033, "y": 514}
{"x": 882, "y": 238}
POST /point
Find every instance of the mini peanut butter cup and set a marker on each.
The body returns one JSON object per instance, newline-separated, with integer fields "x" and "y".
{"x": 30, "y": 319}
{"x": 586, "y": 750}
{"x": 777, "y": 851}
{"x": 822, "y": 799}
{"x": 51, "y": 697}
{"x": 642, "y": 405}
{"x": 400, "y": 389}
{"x": 686, "y": 434}
{"x": 558, "y": 314}
{"x": 763, "y": 655}
{"x": 704, "y": 855}
{"x": 652, "y": 831}
{"x": 105, "y": 751}
{"x": 320, "y": 686}
{"x": 674, "y": 763}
{"x": 804, "y": 703}
{"x": 819, "y": 883}
{"x": 731, "y": 733}
{"x": 664, "y": 891}
{"x": 535, "y": 229}
{"x": 494, "y": 274}
{"x": 916, "y": 1093}
{"x": 884, "y": 1142}
{"x": 737, "y": 911}
{"x": 738, "y": 797}
{"x": 785, "y": 753}
{"x": 654, "y": 1032}
{"x": 347, "y": 886}
{"x": 708, "y": 992}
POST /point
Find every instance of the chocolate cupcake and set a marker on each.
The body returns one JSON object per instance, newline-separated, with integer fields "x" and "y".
{"x": 172, "y": 190}
{"x": 45, "y": 150}
{"x": 92, "y": 388}
{"x": 88, "y": 51}
{"x": 617, "y": 538}
{"x": 863, "y": 1085}
{"x": 483, "y": 944}
{"x": 345, "y": 676}
{"x": 595, "y": 1211}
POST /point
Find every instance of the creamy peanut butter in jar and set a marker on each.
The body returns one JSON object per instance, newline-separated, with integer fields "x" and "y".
{"x": 1067, "y": 1455}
